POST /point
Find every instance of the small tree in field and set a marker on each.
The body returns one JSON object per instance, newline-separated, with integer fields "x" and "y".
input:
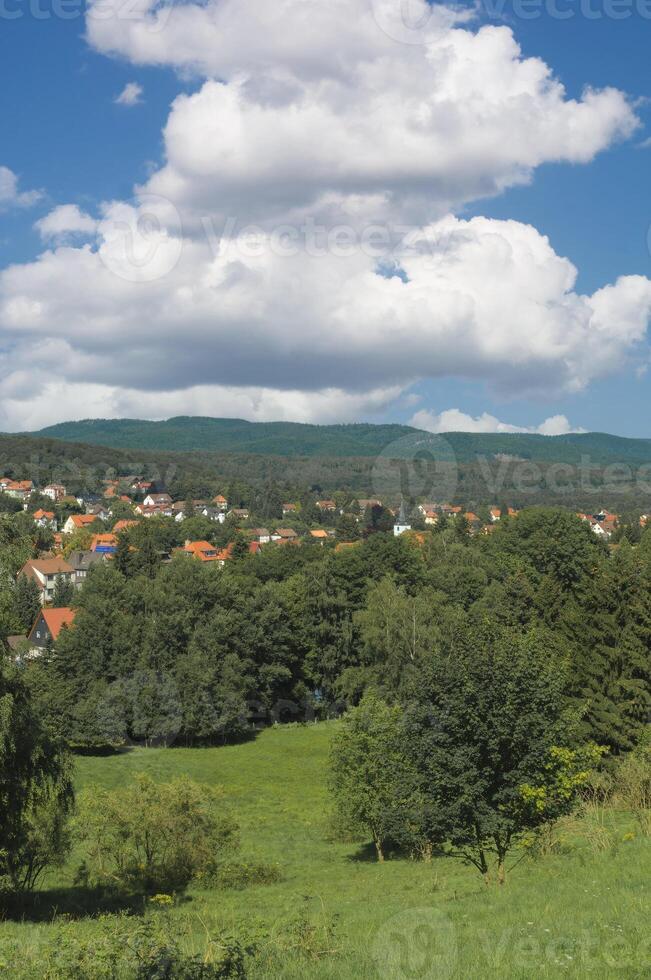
{"x": 370, "y": 775}
{"x": 490, "y": 734}
{"x": 154, "y": 837}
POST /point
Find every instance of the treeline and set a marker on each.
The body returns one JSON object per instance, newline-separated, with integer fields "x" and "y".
{"x": 193, "y": 653}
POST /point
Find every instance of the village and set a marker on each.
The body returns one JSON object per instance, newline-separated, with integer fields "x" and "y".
{"x": 86, "y": 529}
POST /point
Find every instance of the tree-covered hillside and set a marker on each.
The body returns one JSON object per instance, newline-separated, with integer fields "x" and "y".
{"x": 186, "y": 434}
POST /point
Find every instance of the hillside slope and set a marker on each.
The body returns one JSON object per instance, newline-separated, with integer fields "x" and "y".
{"x": 187, "y": 434}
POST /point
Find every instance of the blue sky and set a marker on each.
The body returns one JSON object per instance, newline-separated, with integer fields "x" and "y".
{"x": 63, "y": 134}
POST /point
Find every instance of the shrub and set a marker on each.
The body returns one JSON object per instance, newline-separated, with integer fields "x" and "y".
{"x": 633, "y": 786}
{"x": 154, "y": 838}
{"x": 126, "y": 950}
{"x": 241, "y": 874}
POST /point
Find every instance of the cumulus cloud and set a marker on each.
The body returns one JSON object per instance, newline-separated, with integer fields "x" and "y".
{"x": 64, "y": 222}
{"x": 453, "y": 420}
{"x": 482, "y": 299}
{"x": 130, "y": 95}
{"x": 403, "y": 137}
{"x": 10, "y": 195}
{"x": 317, "y": 126}
{"x": 32, "y": 401}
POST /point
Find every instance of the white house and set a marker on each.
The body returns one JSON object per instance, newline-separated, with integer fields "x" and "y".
{"x": 55, "y": 491}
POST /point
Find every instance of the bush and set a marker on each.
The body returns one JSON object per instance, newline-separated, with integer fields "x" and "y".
{"x": 154, "y": 838}
{"x": 241, "y": 874}
{"x": 124, "y": 950}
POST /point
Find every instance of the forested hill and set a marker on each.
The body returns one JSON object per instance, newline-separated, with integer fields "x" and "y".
{"x": 188, "y": 434}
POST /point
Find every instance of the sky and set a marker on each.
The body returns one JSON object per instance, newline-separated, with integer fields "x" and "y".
{"x": 377, "y": 210}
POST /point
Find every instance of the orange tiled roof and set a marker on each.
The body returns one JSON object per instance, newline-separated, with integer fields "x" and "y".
{"x": 56, "y": 619}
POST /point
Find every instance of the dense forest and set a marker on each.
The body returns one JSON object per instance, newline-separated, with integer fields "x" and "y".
{"x": 197, "y": 653}
{"x": 415, "y": 473}
{"x": 295, "y": 439}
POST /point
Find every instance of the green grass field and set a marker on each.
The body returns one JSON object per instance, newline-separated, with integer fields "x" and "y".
{"x": 583, "y": 911}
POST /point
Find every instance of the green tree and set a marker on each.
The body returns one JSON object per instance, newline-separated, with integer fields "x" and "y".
{"x": 64, "y": 592}
{"x": 371, "y": 779}
{"x": 27, "y": 601}
{"x": 610, "y": 634}
{"x": 397, "y": 633}
{"x": 36, "y": 795}
{"x": 489, "y": 728}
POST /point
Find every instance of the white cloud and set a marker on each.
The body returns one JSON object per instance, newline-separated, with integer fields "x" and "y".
{"x": 64, "y": 222}
{"x": 32, "y": 401}
{"x": 10, "y": 196}
{"x": 130, "y": 95}
{"x": 484, "y": 299}
{"x": 403, "y": 138}
{"x": 453, "y": 420}
{"x": 313, "y": 116}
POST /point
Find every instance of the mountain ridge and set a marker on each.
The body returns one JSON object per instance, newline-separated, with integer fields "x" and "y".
{"x": 224, "y": 435}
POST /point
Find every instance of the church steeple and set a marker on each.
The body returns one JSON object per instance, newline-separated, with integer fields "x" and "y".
{"x": 402, "y": 524}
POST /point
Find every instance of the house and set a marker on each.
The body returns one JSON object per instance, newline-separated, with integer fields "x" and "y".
{"x": 87, "y": 500}
{"x": 124, "y": 525}
{"x": 290, "y": 509}
{"x": 326, "y": 506}
{"x": 45, "y": 572}
{"x": 45, "y": 518}
{"x": 451, "y": 511}
{"x": 284, "y": 535}
{"x": 213, "y": 514}
{"x": 100, "y": 512}
{"x": 220, "y": 502}
{"x": 104, "y": 544}
{"x": 427, "y": 508}
{"x": 55, "y": 491}
{"x": 207, "y": 552}
{"x": 158, "y": 500}
{"x": 604, "y": 524}
{"x": 81, "y": 562}
{"x": 368, "y": 503}
{"x": 78, "y": 522}
{"x": 320, "y": 536}
{"x": 48, "y": 626}
{"x": 154, "y": 510}
{"x": 239, "y": 513}
{"x": 261, "y": 535}
{"x": 18, "y": 489}
{"x": 495, "y": 515}
{"x": 430, "y": 516}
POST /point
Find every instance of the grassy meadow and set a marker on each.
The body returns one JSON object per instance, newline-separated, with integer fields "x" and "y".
{"x": 582, "y": 909}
